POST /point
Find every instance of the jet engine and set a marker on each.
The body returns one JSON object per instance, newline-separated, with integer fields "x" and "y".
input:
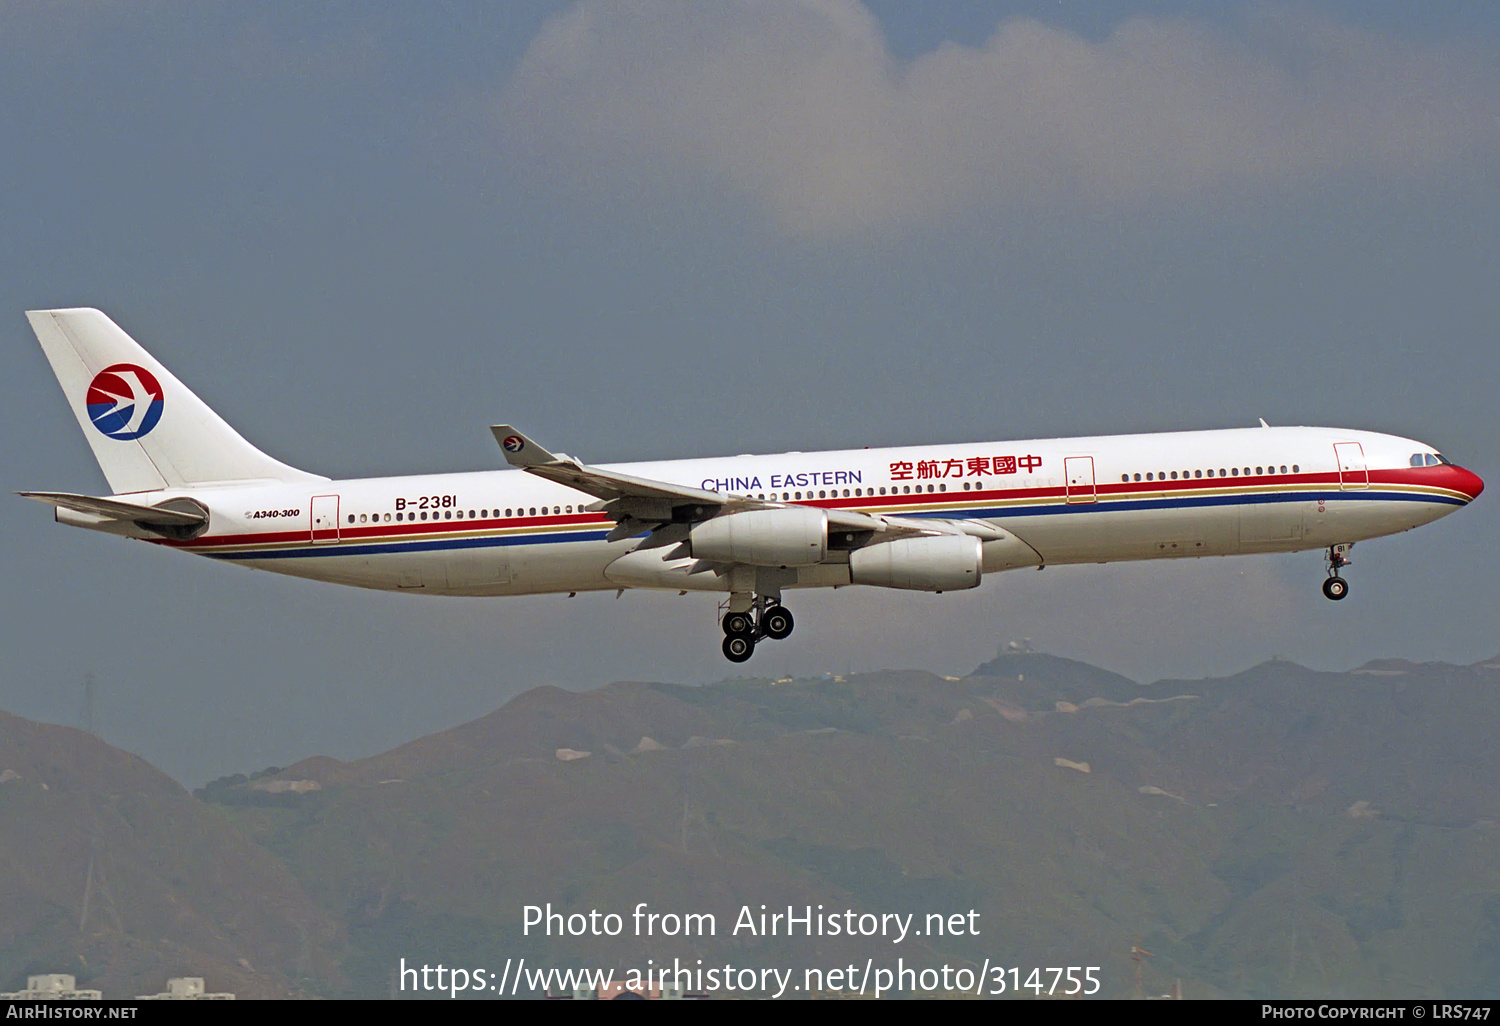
{"x": 949, "y": 562}
{"x": 790, "y": 536}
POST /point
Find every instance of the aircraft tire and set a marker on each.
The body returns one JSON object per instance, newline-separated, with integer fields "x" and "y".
{"x": 777, "y": 622}
{"x": 739, "y": 647}
{"x": 739, "y": 623}
{"x": 1335, "y": 588}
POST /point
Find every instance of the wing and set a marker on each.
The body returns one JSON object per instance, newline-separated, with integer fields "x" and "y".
{"x": 639, "y": 505}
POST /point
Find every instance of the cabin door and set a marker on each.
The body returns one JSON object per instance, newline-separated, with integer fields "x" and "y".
{"x": 1353, "y": 473}
{"x": 1079, "y": 471}
{"x": 325, "y": 519}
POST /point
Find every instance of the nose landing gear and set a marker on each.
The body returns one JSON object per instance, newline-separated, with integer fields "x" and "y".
{"x": 1335, "y": 587}
{"x": 766, "y": 618}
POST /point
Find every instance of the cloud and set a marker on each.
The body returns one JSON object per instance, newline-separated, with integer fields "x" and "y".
{"x": 801, "y": 107}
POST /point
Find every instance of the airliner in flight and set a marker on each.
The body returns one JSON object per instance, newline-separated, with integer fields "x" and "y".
{"x": 923, "y": 518}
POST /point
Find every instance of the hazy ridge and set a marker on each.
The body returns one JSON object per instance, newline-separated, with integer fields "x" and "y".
{"x": 1277, "y": 832}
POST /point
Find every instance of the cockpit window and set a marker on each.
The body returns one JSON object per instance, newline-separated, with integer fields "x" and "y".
{"x": 1418, "y": 459}
{"x": 1433, "y": 459}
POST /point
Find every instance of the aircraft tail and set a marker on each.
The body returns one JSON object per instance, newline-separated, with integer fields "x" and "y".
{"x": 147, "y": 429}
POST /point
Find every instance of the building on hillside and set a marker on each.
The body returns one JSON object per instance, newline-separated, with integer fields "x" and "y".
{"x": 54, "y": 987}
{"x": 185, "y": 988}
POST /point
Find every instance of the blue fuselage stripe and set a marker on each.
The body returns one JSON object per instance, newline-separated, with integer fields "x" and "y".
{"x": 415, "y": 545}
{"x": 972, "y": 513}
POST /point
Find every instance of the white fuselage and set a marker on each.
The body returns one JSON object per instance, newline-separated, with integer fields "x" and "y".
{"x": 1072, "y": 500}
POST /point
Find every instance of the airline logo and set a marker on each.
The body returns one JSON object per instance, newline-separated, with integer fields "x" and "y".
{"x": 124, "y": 401}
{"x": 514, "y": 443}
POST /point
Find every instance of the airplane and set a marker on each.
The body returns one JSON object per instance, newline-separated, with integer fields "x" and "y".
{"x": 931, "y": 518}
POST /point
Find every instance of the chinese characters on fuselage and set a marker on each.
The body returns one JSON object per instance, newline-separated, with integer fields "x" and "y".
{"x": 974, "y": 466}
{"x": 900, "y": 470}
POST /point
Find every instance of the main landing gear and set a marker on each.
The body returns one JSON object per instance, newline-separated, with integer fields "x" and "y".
{"x": 1335, "y": 587}
{"x": 766, "y": 618}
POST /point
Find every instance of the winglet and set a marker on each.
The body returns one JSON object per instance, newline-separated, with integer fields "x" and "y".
{"x": 521, "y": 451}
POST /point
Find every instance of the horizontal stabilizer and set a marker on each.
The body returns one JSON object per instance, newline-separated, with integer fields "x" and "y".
{"x": 114, "y": 509}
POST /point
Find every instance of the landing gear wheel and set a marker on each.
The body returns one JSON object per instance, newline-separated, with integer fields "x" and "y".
{"x": 738, "y": 623}
{"x": 777, "y": 622}
{"x": 739, "y": 647}
{"x": 1335, "y": 588}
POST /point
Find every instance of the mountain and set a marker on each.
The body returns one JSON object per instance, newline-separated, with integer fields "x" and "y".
{"x": 110, "y": 871}
{"x": 1279, "y": 832}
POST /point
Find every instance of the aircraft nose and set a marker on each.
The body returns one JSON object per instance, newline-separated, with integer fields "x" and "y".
{"x": 1470, "y": 483}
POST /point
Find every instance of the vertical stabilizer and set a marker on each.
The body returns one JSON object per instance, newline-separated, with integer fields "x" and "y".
{"x": 147, "y": 429}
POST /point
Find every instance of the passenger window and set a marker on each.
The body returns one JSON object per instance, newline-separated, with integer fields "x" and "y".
{"x": 1296, "y": 469}
{"x": 1137, "y": 477}
{"x": 1210, "y": 471}
{"x": 1197, "y": 473}
{"x": 398, "y": 516}
{"x": 351, "y": 518}
{"x": 1174, "y": 475}
{"x": 1235, "y": 471}
{"x": 1150, "y": 476}
{"x": 388, "y": 518}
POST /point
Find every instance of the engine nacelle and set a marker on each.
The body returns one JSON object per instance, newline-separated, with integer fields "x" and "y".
{"x": 949, "y": 562}
{"x": 790, "y": 536}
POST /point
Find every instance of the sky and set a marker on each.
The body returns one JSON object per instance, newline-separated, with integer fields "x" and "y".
{"x": 640, "y": 230}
